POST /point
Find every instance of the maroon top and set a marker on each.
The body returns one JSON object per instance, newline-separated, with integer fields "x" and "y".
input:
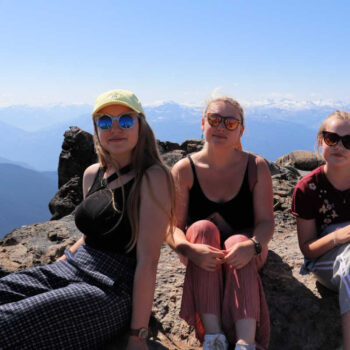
{"x": 316, "y": 198}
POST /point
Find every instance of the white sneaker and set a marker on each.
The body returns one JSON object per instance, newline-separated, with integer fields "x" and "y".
{"x": 215, "y": 342}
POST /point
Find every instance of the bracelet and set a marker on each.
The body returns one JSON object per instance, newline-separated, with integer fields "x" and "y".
{"x": 334, "y": 239}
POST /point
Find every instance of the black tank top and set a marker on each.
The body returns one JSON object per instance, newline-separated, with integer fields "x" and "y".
{"x": 98, "y": 220}
{"x": 238, "y": 212}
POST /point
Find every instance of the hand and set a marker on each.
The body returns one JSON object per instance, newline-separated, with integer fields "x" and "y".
{"x": 342, "y": 235}
{"x": 206, "y": 257}
{"x": 240, "y": 254}
{"x": 135, "y": 343}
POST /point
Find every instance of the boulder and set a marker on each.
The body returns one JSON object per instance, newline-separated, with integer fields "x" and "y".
{"x": 67, "y": 198}
{"x": 192, "y": 145}
{"x": 303, "y": 160}
{"x": 167, "y": 146}
{"x": 303, "y": 315}
{"x": 170, "y": 158}
{"x": 37, "y": 244}
{"x": 77, "y": 154}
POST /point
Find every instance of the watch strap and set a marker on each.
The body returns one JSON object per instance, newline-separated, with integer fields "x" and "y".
{"x": 257, "y": 245}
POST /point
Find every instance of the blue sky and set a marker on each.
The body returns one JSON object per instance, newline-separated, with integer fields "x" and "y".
{"x": 68, "y": 52}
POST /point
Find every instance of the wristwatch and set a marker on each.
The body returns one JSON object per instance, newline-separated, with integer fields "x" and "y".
{"x": 257, "y": 245}
{"x": 141, "y": 333}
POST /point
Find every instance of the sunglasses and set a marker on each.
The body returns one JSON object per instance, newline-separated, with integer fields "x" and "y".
{"x": 332, "y": 139}
{"x": 125, "y": 120}
{"x": 215, "y": 119}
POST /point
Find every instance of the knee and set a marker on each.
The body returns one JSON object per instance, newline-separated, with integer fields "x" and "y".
{"x": 232, "y": 240}
{"x": 203, "y": 231}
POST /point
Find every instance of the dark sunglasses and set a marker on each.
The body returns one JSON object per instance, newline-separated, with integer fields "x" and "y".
{"x": 125, "y": 120}
{"x": 215, "y": 119}
{"x": 332, "y": 139}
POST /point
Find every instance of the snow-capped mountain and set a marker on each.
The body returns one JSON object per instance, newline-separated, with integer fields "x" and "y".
{"x": 273, "y": 127}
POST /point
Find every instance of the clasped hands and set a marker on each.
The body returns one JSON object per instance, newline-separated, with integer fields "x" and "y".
{"x": 209, "y": 258}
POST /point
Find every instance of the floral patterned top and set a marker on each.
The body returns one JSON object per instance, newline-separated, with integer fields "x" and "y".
{"x": 316, "y": 198}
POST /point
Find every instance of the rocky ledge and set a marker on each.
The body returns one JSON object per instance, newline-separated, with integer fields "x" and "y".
{"x": 303, "y": 314}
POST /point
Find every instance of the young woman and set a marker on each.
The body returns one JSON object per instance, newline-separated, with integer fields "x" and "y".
{"x": 224, "y": 222}
{"x": 321, "y": 203}
{"x": 104, "y": 284}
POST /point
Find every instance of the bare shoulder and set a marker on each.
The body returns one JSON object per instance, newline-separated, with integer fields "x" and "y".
{"x": 156, "y": 172}
{"x": 91, "y": 170}
{"x": 156, "y": 177}
{"x": 156, "y": 184}
{"x": 262, "y": 166}
{"x": 89, "y": 177}
{"x": 182, "y": 172}
{"x": 181, "y": 165}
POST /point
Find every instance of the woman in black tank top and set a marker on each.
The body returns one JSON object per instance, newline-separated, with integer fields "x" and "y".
{"x": 104, "y": 284}
{"x": 224, "y": 222}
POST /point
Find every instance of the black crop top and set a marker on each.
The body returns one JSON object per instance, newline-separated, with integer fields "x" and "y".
{"x": 97, "y": 219}
{"x": 238, "y": 212}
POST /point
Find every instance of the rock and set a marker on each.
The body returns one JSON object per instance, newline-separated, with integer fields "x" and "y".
{"x": 192, "y": 145}
{"x": 167, "y": 146}
{"x": 303, "y": 315}
{"x": 37, "y": 244}
{"x": 303, "y": 160}
{"x": 171, "y": 158}
{"x": 77, "y": 154}
{"x": 67, "y": 198}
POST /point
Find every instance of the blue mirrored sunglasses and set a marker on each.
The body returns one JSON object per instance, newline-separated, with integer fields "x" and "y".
{"x": 125, "y": 120}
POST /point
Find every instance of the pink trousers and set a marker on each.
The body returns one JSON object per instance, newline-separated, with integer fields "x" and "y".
{"x": 229, "y": 293}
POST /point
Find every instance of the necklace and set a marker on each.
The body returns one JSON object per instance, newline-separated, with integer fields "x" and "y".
{"x": 114, "y": 176}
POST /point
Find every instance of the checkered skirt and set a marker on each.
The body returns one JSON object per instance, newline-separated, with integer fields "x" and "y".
{"x": 79, "y": 303}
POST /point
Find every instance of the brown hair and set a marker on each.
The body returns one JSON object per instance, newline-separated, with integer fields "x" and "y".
{"x": 235, "y": 105}
{"x": 144, "y": 155}
{"x": 342, "y": 115}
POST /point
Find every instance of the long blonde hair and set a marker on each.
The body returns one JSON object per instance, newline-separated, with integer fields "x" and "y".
{"x": 342, "y": 115}
{"x": 235, "y": 105}
{"x": 144, "y": 155}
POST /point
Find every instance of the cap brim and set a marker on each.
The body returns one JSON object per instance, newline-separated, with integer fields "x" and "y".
{"x": 115, "y": 103}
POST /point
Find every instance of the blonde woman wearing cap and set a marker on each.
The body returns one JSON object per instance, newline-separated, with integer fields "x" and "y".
{"x": 225, "y": 220}
{"x": 104, "y": 284}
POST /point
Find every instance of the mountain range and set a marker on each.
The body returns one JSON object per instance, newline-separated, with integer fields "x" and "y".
{"x": 31, "y": 140}
{"x": 34, "y": 135}
{"x": 25, "y": 195}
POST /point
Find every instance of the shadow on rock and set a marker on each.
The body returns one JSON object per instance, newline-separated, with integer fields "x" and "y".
{"x": 299, "y": 319}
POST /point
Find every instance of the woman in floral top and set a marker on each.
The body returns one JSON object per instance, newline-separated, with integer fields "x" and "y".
{"x": 321, "y": 203}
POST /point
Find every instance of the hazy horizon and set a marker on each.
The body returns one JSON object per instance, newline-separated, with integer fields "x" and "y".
{"x": 60, "y": 52}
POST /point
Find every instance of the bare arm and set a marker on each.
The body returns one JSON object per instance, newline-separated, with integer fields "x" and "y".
{"x": 202, "y": 255}
{"x": 263, "y": 205}
{"x": 152, "y": 228}
{"x": 181, "y": 178}
{"x": 243, "y": 252}
{"x": 88, "y": 179}
{"x": 311, "y": 246}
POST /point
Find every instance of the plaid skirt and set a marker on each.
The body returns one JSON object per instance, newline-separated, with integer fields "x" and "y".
{"x": 79, "y": 303}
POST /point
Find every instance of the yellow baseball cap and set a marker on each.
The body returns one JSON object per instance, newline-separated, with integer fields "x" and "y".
{"x": 118, "y": 97}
